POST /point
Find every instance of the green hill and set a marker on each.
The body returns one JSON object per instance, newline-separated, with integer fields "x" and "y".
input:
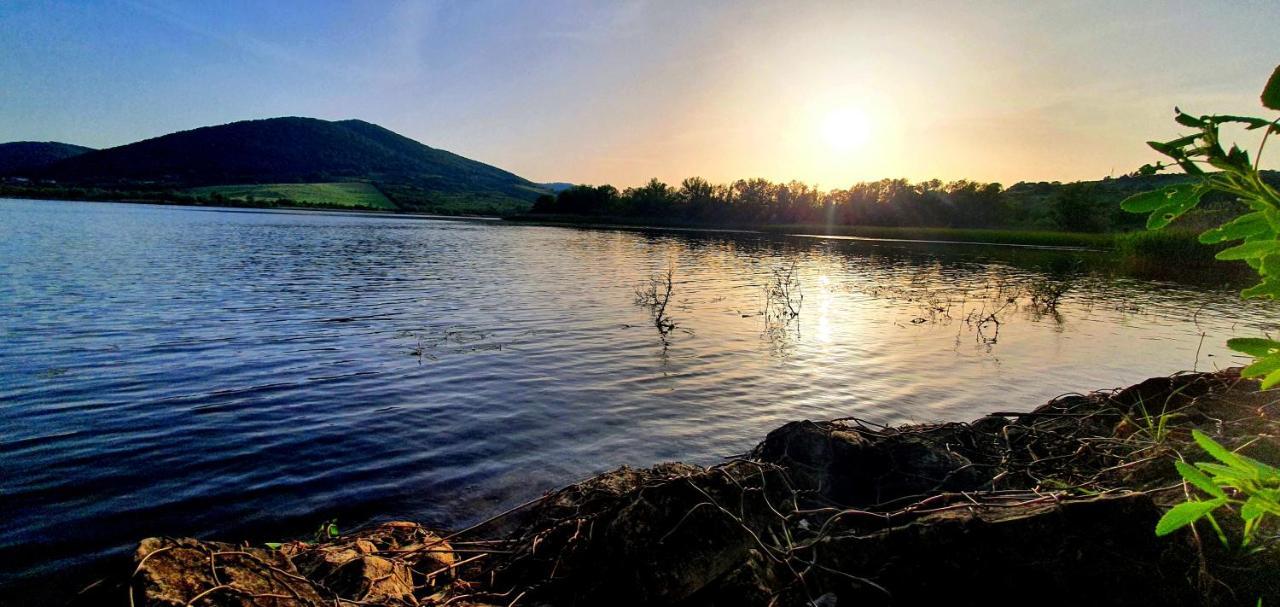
{"x": 19, "y": 157}
{"x": 295, "y": 151}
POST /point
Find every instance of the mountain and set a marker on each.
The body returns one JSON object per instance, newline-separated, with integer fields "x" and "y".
{"x": 21, "y": 157}
{"x": 556, "y": 186}
{"x": 296, "y": 150}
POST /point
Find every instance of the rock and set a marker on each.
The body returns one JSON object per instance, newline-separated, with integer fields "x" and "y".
{"x": 377, "y": 563}
{"x": 349, "y": 574}
{"x": 852, "y": 466}
{"x": 991, "y": 424}
{"x": 175, "y": 572}
{"x": 373, "y": 567}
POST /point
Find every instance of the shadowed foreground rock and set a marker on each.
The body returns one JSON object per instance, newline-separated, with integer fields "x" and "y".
{"x": 1052, "y": 507}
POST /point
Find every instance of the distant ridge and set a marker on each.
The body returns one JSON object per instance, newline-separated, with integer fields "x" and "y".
{"x": 294, "y": 150}
{"x": 20, "y": 157}
{"x": 556, "y": 186}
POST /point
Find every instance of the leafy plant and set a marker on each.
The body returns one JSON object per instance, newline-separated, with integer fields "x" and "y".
{"x": 1243, "y": 482}
{"x": 1249, "y": 486}
{"x": 1238, "y": 175}
{"x": 327, "y": 531}
{"x": 1153, "y": 427}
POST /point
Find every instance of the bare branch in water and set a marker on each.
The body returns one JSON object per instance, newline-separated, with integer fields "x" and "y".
{"x": 655, "y": 294}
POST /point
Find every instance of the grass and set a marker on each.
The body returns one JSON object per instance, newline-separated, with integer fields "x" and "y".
{"x": 350, "y": 194}
{"x": 475, "y": 204}
{"x": 1170, "y": 246}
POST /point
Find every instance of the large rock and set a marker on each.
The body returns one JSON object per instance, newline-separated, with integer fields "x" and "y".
{"x": 179, "y": 572}
{"x": 848, "y": 464}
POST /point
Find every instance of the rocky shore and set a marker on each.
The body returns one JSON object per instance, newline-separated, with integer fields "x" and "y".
{"x": 1052, "y": 507}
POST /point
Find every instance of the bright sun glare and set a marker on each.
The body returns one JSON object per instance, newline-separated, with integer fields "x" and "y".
{"x": 846, "y": 129}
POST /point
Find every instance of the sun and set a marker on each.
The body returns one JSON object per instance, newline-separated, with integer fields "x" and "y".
{"x": 846, "y": 129}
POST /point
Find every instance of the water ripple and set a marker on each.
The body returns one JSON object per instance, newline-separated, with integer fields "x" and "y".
{"x": 250, "y": 374}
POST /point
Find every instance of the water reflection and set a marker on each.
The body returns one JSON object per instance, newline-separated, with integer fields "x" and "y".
{"x": 181, "y": 371}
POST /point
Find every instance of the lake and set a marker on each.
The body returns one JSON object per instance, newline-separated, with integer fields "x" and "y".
{"x": 252, "y": 374}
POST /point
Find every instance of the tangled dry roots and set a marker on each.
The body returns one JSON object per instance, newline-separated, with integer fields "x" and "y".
{"x": 1056, "y": 504}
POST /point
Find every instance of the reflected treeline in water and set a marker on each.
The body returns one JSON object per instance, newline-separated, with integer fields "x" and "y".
{"x": 185, "y": 371}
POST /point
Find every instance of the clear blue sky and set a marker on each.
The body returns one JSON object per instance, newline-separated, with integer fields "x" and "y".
{"x": 622, "y": 91}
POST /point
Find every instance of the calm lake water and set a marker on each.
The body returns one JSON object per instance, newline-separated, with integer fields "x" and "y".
{"x": 251, "y": 374}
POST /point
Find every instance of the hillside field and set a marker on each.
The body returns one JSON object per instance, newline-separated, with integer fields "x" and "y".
{"x": 352, "y": 194}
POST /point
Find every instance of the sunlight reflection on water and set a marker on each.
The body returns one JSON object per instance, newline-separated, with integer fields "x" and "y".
{"x": 242, "y": 374}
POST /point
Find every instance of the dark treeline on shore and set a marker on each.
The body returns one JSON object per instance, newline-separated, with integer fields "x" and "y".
{"x": 1076, "y": 207}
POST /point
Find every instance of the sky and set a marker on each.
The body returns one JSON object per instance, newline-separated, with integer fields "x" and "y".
{"x": 828, "y": 93}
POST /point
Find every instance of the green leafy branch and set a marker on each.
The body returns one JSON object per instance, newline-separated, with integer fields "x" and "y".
{"x": 1257, "y": 231}
{"x": 1248, "y": 484}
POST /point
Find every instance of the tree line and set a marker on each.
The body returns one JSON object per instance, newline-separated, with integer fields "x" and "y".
{"x": 1083, "y": 207}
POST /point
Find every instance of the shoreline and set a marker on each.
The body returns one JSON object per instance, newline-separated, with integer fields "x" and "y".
{"x": 994, "y": 237}
{"x": 1128, "y": 246}
{"x": 323, "y": 210}
{"x": 818, "y": 512}
{"x": 1041, "y": 239}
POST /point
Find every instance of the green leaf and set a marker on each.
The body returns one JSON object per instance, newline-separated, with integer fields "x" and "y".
{"x": 1270, "y": 266}
{"x": 1222, "y": 163}
{"x": 1182, "y": 142}
{"x": 1256, "y": 347}
{"x": 1165, "y": 204}
{"x": 1271, "y": 380}
{"x": 1239, "y": 156}
{"x": 1217, "y": 530}
{"x": 1262, "y": 366}
{"x": 1145, "y": 202}
{"x": 1182, "y": 198}
{"x": 1250, "y": 122}
{"x": 1227, "y": 474}
{"x": 1271, "y": 92}
{"x": 1194, "y": 476}
{"x": 1166, "y": 149}
{"x": 1252, "y": 509}
{"x": 273, "y": 545}
{"x": 1184, "y": 514}
{"x": 1264, "y": 471}
{"x": 1217, "y": 451}
{"x": 1269, "y": 287}
{"x": 1187, "y": 119}
{"x": 1241, "y": 227}
{"x": 1267, "y": 502}
{"x": 1190, "y": 168}
{"x": 1256, "y": 249}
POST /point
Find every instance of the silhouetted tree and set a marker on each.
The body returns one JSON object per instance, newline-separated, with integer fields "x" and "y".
{"x": 1075, "y": 208}
{"x": 545, "y": 203}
